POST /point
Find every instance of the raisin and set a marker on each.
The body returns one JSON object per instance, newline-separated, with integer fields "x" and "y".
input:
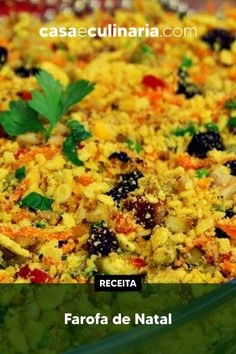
{"x": 220, "y": 233}
{"x": 102, "y": 241}
{"x": 59, "y": 46}
{"x": 122, "y": 156}
{"x": 3, "y": 56}
{"x": 114, "y": 106}
{"x": 61, "y": 243}
{"x": 201, "y": 143}
{"x": 232, "y": 166}
{"x": 219, "y": 38}
{"x": 144, "y": 211}
{"x": 185, "y": 86}
{"x": 23, "y": 72}
{"x": 229, "y": 213}
{"x": 128, "y": 184}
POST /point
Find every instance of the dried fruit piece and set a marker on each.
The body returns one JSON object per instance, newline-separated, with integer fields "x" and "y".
{"x": 102, "y": 241}
{"x": 128, "y": 184}
{"x": 201, "y": 143}
{"x": 219, "y": 38}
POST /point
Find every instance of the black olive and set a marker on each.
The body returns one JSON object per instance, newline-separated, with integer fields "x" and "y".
{"x": 3, "y": 56}
{"x": 128, "y": 184}
{"x": 229, "y": 213}
{"x": 220, "y": 233}
{"x": 185, "y": 86}
{"x": 122, "y": 156}
{"x": 232, "y": 166}
{"x": 201, "y": 143}
{"x": 220, "y": 38}
{"x": 24, "y": 72}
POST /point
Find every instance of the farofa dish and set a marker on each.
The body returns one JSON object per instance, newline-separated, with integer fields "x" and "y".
{"x": 117, "y": 156}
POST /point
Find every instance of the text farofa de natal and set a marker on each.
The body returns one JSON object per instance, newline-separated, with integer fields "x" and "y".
{"x": 118, "y": 319}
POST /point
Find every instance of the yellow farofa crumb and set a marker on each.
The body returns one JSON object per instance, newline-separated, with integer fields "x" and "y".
{"x": 170, "y": 223}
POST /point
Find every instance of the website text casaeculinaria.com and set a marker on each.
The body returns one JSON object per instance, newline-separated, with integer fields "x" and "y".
{"x": 112, "y": 30}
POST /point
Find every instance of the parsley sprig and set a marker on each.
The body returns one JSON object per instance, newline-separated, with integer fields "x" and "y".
{"x": 50, "y": 104}
{"x": 78, "y": 134}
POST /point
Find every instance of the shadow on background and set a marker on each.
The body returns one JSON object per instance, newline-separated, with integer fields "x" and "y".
{"x": 32, "y": 319}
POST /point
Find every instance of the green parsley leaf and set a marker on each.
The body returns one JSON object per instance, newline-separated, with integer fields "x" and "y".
{"x": 188, "y": 129}
{"x": 230, "y": 104}
{"x": 74, "y": 93}
{"x": 47, "y": 103}
{"x": 53, "y": 103}
{"x": 186, "y": 62}
{"x": 202, "y": 173}
{"x": 36, "y": 201}
{"x": 20, "y": 173}
{"x": 78, "y": 134}
{"x": 70, "y": 151}
{"x": 20, "y": 119}
{"x": 211, "y": 126}
{"x": 132, "y": 145}
{"x": 232, "y": 122}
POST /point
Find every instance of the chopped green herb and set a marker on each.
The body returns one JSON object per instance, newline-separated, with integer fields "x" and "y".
{"x": 36, "y": 201}
{"x": 232, "y": 122}
{"x": 142, "y": 54}
{"x": 51, "y": 104}
{"x": 211, "y": 126}
{"x": 98, "y": 224}
{"x": 230, "y": 104}
{"x": 217, "y": 208}
{"x": 132, "y": 145}
{"x": 71, "y": 57}
{"x": 146, "y": 49}
{"x": 20, "y": 173}
{"x": 41, "y": 224}
{"x": 188, "y": 129}
{"x": 202, "y": 173}
{"x": 64, "y": 257}
{"x": 78, "y": 134}
{"x": 186, "y": 62}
